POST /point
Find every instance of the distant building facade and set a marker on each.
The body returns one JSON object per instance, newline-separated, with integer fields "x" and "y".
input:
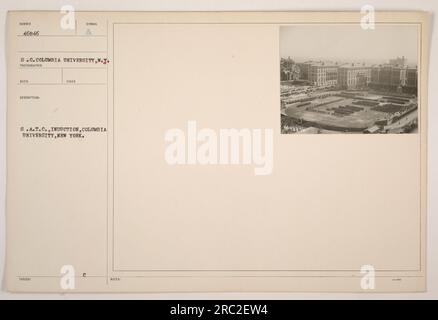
{"x": 411, "y": 84}
{"x": 401, "y": 62}
{"x": 354, "y": 76}
{"x": 388, "y": 77}
{"x": 322, "y": 75}
{"x": 304, "y": 69}
{"x": 393, "y": 76}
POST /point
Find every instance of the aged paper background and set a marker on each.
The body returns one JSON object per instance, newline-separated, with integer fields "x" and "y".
{"x": 111, "y": 206}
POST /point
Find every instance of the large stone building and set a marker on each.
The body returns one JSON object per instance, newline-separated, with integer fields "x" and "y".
{"x": 353, "y": 76}
{"x": 304, "y": 69}
{"x": 393, "y": 76}
{"x": 323, "y": 75}
{"x": 388, "y": 77}
{"x": 411, "y": 84}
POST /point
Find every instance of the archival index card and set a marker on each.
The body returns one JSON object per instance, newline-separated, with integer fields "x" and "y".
{"x": 226, "y": 151}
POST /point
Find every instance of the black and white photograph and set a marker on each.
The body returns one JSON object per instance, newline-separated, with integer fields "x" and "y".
{"x": 342, "y": 78}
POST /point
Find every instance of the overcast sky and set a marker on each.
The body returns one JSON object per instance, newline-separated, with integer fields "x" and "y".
{"x": 349, "y": 42}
